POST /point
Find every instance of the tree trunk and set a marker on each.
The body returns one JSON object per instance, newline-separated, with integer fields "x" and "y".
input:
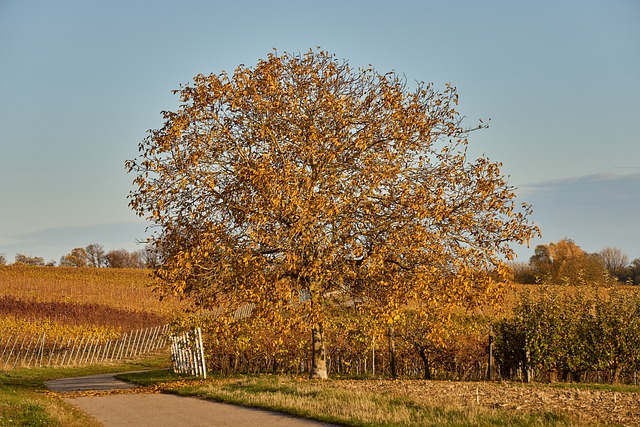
{"x": 392, "y": 353}
{"x": 425, "y": 360}
{"x": 318, "y": 357}
{"x": 490, "y": 366}
{"x": 615, "y": 377}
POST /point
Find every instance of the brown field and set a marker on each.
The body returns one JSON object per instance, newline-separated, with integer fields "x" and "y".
{"x": 583, "y": 405}
{"x": 419, "y": 402}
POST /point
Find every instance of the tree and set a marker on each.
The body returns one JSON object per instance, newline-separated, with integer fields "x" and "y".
{"x": 3, "y": 260}
{"x": 150, "y": 256}
{"x": 29, "y": 260}
{"x": 76, "y": 258}
{"x": 615, "y": 261}
{"x": 95, "y": 255}
{"x": 633, "y": 272}
{"x": 121, "y": 258}
{"x": 564, "y": 261}
{"x": 541, "y": 260}
{"x": 523, "y": 273}
{"x": 303, "y": 177}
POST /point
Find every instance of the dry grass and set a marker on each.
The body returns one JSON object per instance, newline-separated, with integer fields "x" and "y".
{"x": 420, "y": 403}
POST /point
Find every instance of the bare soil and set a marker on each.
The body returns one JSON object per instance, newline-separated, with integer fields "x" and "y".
{"x": 586, "y": 406}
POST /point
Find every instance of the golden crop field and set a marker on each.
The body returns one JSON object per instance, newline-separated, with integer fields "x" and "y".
{"x": 128, "y": 289}
{"x": 52, "y": 313}
{"x": 66, "y": 300}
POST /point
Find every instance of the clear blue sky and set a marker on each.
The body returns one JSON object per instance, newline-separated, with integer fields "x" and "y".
{"x": 82, "y": 81}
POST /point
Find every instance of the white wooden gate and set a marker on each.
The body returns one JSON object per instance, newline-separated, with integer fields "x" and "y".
{"x": 188, "y": 353}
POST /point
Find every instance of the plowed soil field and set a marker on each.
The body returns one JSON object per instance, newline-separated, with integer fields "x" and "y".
{"x": 588, "y": 406}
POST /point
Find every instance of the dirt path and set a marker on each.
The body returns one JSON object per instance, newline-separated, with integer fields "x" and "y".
{"x": 132, "y": 409}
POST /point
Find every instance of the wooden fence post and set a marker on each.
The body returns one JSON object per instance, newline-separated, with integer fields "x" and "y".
{"x": 15, "y": 341}
{"x": 373, "y": 357}
{"x": 202, "y": 361}
{"x": 490, "y": 361}
{"x": 44, "y": 335}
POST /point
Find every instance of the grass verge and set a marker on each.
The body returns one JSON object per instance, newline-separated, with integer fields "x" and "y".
{"x": 349, "y": 403}
{"x": 24, "y": 400}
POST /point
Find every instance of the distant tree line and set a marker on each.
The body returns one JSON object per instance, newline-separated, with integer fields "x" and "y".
{"x": 554, "y": 263}
{"x": 565, "y": 262}
{"x": 93, "y": 255}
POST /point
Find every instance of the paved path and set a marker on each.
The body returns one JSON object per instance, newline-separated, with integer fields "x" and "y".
{"x": 131, "y": 409}
{"x": 102, "y": 382}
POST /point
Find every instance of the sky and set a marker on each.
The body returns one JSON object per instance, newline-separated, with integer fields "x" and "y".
{"x": 82, "y": 82}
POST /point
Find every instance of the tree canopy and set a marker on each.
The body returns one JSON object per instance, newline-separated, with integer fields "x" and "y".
{"x": 565, "y": 262}
{"x": 302, "y": 182}
{"x": 78, "y": 257}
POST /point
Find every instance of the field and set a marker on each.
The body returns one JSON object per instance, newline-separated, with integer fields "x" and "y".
{"x": 62, "y": 308}
{"x": 73, "y": 301}
{"x": 120, "y": 299}
{"x": 75, "y": 316}
{"x": 126, "y": 289}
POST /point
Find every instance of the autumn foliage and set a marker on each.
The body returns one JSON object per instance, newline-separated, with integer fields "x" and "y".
{"x": 301, "y": 184}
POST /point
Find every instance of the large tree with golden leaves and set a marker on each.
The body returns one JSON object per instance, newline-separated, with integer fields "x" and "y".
{"x": 302, "y": 182}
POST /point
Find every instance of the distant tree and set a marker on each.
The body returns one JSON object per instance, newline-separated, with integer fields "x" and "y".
{"x": 3, "y": 260}
{"x": 523, "y": 273}
{"x": 29, "y": 260}
{"x": 541, "y": 260}
{"x": 632, "y": 272}
{"x": 118, "y": 258}
{"x": 566, "y": 259}
{"x": 304, "y": 176}
{"x": 76, "y": 258}
{"x": 96, "y": 256}
{"x": 564, "y": 262}
{"x": 615, "y": 261}
{"x": 150, "y": 256}
{"x": 121, "y": 258}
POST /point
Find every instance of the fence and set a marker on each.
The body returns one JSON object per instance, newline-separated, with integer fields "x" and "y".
{"x": 188, "y": 353}
{"x": 38, "y": 350}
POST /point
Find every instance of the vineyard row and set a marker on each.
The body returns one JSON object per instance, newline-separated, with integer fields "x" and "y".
{"x": 35, "y": 350}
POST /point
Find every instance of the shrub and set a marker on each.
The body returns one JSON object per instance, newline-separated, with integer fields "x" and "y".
{"x": 574, "y": 332}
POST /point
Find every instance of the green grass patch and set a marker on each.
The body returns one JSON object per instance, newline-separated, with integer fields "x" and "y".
{"x": 26, "y": 414}
{"x": 24, "y": 400}
{"x": 153, "y": 377}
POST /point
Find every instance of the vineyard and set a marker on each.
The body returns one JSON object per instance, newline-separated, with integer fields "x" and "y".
{"x": 586, "y": 333}
{"x": 129, "y": 289}
{"x": 24, "y": 350}
{"x": 69, "y": 316}
{"x": 78, "y": 316}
